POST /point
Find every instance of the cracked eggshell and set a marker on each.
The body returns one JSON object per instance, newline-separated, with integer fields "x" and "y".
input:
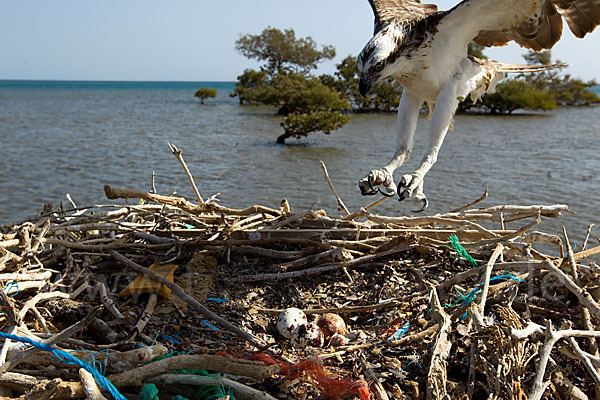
{"x": 308, "y": 335}
{"x": 289, "y": 320}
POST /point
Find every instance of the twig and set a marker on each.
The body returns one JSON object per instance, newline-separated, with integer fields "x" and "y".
{"x": 587, "y": 236}
{"x": 586, "y": 361}
{"x": 183, "y": 204}
{"x": 146, "y": 315}
{"x": 364, "y": 210}
{"x": 177, "y": 153}
{"x": 488, "y": 274}
{"x": 481, "y": 198}
{"x": 436, "y": 377}
{"x": 179, "y": 292}
{"x": 584, "y": 297}
{"x": 571, "y": 258}
{"x": 108, "y": 302}
{"x": 338, "y": 198}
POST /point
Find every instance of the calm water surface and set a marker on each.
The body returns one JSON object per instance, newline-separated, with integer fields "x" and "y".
{"x": 60, "y": 138}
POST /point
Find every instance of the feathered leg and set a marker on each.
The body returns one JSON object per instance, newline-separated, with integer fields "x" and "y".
{"x": 443, "y": 112}
{"x": 408, "y": 114}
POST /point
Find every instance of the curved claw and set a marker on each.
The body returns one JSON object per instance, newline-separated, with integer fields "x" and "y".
{"x": 386, "y": 194}
{"x": 372, "y": 192}
{"x": 403, "y": 195}
{"x": 423, "y": 207}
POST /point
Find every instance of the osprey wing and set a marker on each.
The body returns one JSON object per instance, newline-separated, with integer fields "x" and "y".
{"x": 387, "y": 11}
{"x": 535, "y": 25}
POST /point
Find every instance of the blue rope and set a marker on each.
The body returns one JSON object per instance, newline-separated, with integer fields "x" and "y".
{"x": 70, "y": 360}
{"x": 10, "y": 285}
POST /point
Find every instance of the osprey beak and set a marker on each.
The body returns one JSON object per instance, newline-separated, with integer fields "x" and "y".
{"x": 364, "y": 85}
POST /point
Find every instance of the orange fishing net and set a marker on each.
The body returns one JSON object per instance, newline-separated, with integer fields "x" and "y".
{"x": 334, "y": 388}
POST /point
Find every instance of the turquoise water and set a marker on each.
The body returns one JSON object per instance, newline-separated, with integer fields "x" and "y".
{"x": 75, "y": 137}
{"x": 115, "y": 85}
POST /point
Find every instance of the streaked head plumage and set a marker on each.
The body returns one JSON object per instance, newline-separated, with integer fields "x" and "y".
{"x": 373, "y": 61}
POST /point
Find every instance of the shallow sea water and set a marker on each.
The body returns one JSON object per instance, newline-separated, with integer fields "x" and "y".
{"x": 69, "y": 138}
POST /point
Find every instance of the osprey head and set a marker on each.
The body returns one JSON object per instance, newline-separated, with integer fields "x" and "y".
{"x": 374, "y": 62}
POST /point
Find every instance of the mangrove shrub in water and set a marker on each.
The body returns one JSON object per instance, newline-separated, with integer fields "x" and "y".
{"x": 285, "y": 82}
{"x": 205, "y": 93}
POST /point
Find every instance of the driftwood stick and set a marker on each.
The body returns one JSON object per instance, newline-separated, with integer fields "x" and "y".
{"x": 337, "y": 196}
{"x": 90, "y": 386}
{"x": 323, "y": 268}
{"x": 552, "y": 336}
{"x": 338, "y": 310}
{"x": 364, "y": 210}
{"x": 179, "y": 292}
{"x": 177, "y": 153}
{"x": 587, "y": 236}
{"x": 539, "y": 387}
{"x": 566, "y": 388}
{"x": 146, "y": 315}
{"x": 488, "y": 274}
{"x": 183, "y": 204}
{"x": 19, "y": 381}
{"x": 415, "y": 337}
{"x": 108, "y": 302}
{"x": 586, "y": 360}
{"x": 241, "y": 390}
{"x": 584, "y": 297}
{"x": 28, "y": 276}
{"x": 571, "y": 258}
{"x": 436, "y": 377}
{"x": 227, "y": 365}
{"x": 419, "y": 221}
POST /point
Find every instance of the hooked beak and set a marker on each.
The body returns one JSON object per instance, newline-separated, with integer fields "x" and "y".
{"x": 364, "y": 85}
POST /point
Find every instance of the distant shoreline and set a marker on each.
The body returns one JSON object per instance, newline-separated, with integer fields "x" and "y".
{"x": 91, "y": 84}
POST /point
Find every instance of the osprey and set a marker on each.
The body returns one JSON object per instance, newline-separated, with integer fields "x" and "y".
{"x": 425, "y": 50}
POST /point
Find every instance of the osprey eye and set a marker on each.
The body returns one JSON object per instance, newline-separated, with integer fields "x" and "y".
{"x": 379, "y": 66}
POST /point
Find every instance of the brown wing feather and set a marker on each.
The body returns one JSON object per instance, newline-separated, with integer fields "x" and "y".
{"x": 543, "y": 30}
{"x": 387, "y": 11}
{"x": 582, "y": 16}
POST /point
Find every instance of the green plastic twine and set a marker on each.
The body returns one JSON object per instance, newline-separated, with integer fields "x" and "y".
{"x": 461, "y": 250}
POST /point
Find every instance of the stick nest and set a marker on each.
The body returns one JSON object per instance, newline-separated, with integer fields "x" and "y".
{"x": 528, "y": 334}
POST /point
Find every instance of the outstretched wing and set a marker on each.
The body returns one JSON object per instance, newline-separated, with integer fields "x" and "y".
{"x": 387, "y": 11}
{"x": 535, "y": 25}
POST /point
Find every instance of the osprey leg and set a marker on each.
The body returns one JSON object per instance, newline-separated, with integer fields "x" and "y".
{"x": 406, "y": 123}
{"x": 443, "y": 112}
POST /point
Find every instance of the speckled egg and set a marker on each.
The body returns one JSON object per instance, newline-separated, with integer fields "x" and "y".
{"x": 331, "y": 324}
{"x": 289, "y": 320}
{"x": 338, "y": 340}
{"x": 308, "y": 335}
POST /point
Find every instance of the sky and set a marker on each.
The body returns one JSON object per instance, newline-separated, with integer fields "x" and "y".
{"x": 193, "y": 40}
